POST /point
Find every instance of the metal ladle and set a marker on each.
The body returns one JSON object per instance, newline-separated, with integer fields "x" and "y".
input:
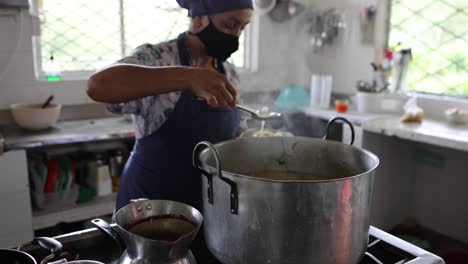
{"x": 259, "y": 115}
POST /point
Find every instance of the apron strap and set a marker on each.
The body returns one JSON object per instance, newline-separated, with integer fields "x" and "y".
{"x": 184, "y": 54}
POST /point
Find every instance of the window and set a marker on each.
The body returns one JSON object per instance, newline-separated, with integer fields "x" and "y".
{"x": 437, "y": 33}
{"x": 84, "y": 35}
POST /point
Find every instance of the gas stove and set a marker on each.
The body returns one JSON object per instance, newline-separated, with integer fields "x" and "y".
{"x": 91, "y": 244}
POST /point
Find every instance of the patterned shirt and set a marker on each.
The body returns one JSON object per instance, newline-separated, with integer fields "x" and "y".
{"x": 150, "y": 113}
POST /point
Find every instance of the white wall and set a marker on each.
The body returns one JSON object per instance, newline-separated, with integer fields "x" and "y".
{"x": 284, "y": 58}
{"x": 18, "y": 82}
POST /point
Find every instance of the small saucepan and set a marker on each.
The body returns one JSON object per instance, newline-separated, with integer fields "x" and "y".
{"x": 11, "y": 256}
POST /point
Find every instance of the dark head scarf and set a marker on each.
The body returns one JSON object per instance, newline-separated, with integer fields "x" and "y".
{"x": 208, "y": 7}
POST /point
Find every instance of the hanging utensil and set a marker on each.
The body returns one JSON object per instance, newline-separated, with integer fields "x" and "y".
{"x": 285, "y": 10}
{"x": 264, "y": 6}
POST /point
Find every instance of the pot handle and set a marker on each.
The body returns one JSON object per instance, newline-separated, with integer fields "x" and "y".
{"x": 346, "y": 121}
{"x": 53, "y": 245}
{"x": 108, "y": 230}
{"x": 196, "y": 164}
{"x": 234, "y": 196}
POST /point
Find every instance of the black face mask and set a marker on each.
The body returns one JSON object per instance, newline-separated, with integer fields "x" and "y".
{"x": 218, "y": 44}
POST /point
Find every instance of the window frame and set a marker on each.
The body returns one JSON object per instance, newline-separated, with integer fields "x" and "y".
{"x": 442, "y": 97}
{"x": 251, "y": 34}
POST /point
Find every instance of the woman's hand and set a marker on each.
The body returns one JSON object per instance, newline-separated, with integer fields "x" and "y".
{"x": 212, "y": 86}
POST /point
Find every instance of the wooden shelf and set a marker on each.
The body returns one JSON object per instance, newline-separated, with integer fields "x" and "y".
{"x": 99, "y": 207}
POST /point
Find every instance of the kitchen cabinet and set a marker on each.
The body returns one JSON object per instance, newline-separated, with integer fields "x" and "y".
{"x": 21, "y": 218}
{"x": 91, "y": 204}
{"x": 16, "y": 220}
{"x": 419, "y": 181}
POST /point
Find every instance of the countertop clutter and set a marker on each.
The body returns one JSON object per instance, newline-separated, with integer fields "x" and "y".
{"x": 433, "y": 131}
{"x": 67, "y": 132}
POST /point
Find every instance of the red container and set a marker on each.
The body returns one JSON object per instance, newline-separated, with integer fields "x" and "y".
{"x": 341, "y": 106}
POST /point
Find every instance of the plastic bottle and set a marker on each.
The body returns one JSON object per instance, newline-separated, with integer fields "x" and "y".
{"x": 116, "y": 164}
{"x": 99, "y": 177}
{"x": 52, "y": 70}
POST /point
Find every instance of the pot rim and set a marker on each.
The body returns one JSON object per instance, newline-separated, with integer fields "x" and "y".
{"x": 229, "y": 174}
{"x": 197, "y": 212}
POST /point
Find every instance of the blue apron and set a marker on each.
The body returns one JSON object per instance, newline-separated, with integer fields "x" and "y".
{"x": 160, "y": 166}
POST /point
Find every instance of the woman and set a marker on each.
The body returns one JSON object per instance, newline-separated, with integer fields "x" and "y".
{"x": 180, "y": 92}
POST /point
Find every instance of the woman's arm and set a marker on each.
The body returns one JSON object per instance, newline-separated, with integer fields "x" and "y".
{"x": 125, "y": 82}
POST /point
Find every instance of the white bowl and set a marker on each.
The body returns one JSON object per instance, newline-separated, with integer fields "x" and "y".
{"x": 457, "y": 116}
{"x": 32, "y": 116}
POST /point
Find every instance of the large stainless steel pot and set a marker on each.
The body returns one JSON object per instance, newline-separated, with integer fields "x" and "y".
{"x": 292, "y": 218}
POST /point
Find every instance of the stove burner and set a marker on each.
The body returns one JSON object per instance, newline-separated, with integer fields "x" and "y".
{"x": 383, "y": 248}
{"x": 379, "y": 252}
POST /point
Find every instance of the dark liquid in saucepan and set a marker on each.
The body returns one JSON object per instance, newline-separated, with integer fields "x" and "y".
{"x": 167, "y": 228}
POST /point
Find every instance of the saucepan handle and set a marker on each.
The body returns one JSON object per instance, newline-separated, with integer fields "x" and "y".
{"x": 53, "y": 245}
{"x": 108, "y": 230}
{"x": 346, "y": 121}
{"x": 234, "y": 196}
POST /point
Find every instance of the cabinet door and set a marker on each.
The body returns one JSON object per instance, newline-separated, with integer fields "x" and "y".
{"x": 15, "y": 203}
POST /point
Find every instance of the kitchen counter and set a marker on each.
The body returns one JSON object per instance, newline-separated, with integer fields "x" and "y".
{"x": 354, "y": 117}
{"x": 68, "y": 132}
{"x": 431, "y": 131}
